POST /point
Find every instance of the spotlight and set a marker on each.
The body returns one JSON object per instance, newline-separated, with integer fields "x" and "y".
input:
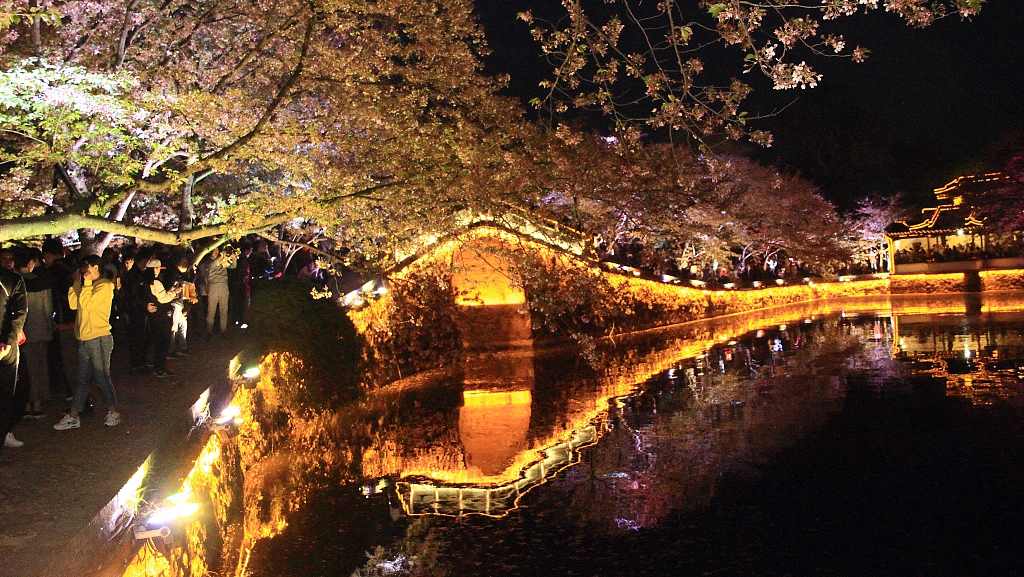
{"x": 142, "y": 534}
{"x": 231, "y": 414}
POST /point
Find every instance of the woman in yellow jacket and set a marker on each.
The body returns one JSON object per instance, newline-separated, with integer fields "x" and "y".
{"x": 91, "y": 295}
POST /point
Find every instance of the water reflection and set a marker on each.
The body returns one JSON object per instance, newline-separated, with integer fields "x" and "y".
{"x": 553, "y": 466}
{"x": 979, "y": 356}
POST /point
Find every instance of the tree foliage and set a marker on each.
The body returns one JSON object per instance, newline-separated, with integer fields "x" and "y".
{"x": 694, "y": 208}
{"x": 175, "y": 120}
{"x": 658, "y": 65}
{"x": 346, "y": 112}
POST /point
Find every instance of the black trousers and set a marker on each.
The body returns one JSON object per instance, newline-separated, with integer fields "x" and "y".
{"x": 138, "y": 337}
{"x": 13, "y": 396}
{"x": 238, "y": 304}
{"x": 160, "y": 334}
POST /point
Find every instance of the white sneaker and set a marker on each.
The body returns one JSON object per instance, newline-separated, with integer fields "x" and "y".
{"x": 68, "y": 422}
{"x": 113, "y": 419}
{"x": 12, "y": 443}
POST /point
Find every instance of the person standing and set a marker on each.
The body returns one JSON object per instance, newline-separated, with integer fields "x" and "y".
{"x": 181, "y": 276}
{"x": 216, "y": 281}
{"x": 14, "y": 308}
{"x": 240, "y": 283}
{"x": 39, "y": 330}
{"x": 134, "y": 301}
{"x": 62, "y": 354}
{"x": 161, "y": 312}
{"x": 92, "y": 295}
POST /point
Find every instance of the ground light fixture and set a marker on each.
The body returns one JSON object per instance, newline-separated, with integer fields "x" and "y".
{"x": 246, "y": 366}
{"x": 176, "y": 508}
{"x": 231, "y": 415}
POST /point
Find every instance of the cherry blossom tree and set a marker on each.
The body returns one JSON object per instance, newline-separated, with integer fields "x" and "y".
{"x": 214, "y": 118}
{"x": 657, "y": 66}
{"x": 865, "y": 231}
{"x": 695, "y": 208}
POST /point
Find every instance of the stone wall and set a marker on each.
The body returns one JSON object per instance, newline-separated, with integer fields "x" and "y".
{"x": 993, "y": 280}
{"x": 928, "y": 283}
{"x": 502, "y": 289}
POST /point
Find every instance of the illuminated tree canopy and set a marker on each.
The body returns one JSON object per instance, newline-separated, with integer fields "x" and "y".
{"x": 175, "y": 121}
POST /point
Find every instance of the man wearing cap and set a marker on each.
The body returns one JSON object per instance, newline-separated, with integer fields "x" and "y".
{"x": 161, "y": 311}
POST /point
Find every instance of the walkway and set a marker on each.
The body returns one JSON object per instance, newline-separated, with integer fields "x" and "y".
{"x": 52, "y": 487}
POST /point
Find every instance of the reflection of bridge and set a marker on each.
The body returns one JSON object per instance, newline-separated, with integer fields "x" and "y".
{"x": 497, "y": 460}
{"x": 424, "y": 498}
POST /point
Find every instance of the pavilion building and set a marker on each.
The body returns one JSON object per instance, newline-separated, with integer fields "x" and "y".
{"x": 951, "y": 236}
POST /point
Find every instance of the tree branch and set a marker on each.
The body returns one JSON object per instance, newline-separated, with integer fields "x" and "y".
{"x": 36, "y": 226}
{"x": 303, "y": 245}
{"x": 267, "y": 115}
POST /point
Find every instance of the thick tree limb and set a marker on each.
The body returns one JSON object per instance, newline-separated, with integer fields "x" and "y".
{"x": 118, "y": 216}
{"x": 61, "y": 223}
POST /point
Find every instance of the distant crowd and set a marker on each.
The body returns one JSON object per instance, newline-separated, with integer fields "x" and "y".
{"x": 64, "y": 310}
{"x": 971, "y": 251}
{"x": 654, "y": 262}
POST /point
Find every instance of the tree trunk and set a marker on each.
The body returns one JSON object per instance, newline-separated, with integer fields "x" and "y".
{"x": 119, "y": 215}
{"x": 186, "y": 213}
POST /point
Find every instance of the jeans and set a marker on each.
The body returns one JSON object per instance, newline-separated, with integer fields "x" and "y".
{"x": 94, "y": 368}
{"x": 160, "y": 334}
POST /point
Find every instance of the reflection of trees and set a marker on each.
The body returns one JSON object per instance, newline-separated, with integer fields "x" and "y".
{"x": 670, "y": 446}
{"x": 287, "y": 477}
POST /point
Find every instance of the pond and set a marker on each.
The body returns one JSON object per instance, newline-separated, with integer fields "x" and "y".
{"x": 870, "y": 438}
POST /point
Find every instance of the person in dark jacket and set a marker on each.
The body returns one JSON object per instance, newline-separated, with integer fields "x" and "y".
{"x": 14, "y": 308}
{"x": 240, "y": 284}
{"x": 135, "y": 297}
{"x": 62, "y": 351}
{"x": 39, "y": 331}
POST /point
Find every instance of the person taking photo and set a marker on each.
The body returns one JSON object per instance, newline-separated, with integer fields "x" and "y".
{"x": 92, "y": 295}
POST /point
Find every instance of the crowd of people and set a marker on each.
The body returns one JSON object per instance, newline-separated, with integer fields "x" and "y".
{"x": 993, "y": 248}
{"x": 64, "y": 310}
{"x": 654, "y": 262}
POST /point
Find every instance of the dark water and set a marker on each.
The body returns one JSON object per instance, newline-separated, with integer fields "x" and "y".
{"x": 867, "y": 444}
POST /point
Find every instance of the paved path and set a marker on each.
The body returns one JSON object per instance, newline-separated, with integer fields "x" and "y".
{"x": 53, "y": 486}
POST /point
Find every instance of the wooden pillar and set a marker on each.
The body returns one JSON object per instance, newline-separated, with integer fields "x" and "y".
{"x": 890, "y": 249}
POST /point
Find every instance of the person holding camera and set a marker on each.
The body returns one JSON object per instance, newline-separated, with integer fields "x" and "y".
{"x": 91, "y": 295}
{"x": 215, "y": 276}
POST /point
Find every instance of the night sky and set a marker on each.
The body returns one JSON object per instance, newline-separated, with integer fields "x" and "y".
{"x": 927, "y": 105}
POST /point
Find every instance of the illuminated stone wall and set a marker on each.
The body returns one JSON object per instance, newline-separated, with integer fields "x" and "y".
{"x": 507, "y": 288}
{"x": 993, "y": 280}
{"x": 927, "y": 283}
